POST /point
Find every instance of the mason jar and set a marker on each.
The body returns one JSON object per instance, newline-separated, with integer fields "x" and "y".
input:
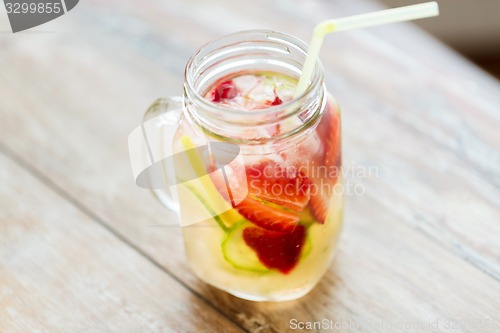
{"x": 258, "y": 192}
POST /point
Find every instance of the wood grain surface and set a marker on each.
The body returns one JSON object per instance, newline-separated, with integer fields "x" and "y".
{"x": 82, "y": 249}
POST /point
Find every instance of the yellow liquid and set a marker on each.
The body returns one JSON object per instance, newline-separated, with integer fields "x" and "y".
{"x": 203, "y": 249}
{"x": 204, "y": 240}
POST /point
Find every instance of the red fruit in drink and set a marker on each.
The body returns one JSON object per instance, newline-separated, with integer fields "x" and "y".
{"x": 225, "y": 90}
{"x": 329, "y": 133}
{"x": 268, "y": 216}
{"x": 275, "y": 195}
{"x": 276, "y": 130}
{"x": 276, "y": 249}
{"x": 277, "y": 101}
{"x": 284, "y": 186}
{"x": 319, "y": 207}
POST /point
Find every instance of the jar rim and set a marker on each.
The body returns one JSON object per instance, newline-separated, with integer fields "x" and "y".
{"x": 286, "y": 39}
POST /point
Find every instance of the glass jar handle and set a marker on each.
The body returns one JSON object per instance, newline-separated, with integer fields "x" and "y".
{"x": 150, "y": 149}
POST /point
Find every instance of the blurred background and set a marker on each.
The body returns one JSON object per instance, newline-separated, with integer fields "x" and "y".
{"x": 471, "y": 27}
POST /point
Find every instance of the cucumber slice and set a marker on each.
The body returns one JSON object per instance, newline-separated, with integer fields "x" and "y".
{"x": 238, "y": 254}
{"x": 307, "y": 247}
{"x": 308, "y": 221}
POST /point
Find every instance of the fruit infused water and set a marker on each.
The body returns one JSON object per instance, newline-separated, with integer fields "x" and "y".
{"x": 277, "y": 242}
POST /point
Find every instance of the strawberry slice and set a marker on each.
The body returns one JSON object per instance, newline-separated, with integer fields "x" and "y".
{"x": 276, "y": 129}
{"x": 277, "y": 100}
{"x": 275, "y": 195}
{"x": 332, "y": 144}
{"x": 319, "y": 207}
{"x": 268, "y": 216}
{"x": 276, "y": 249}
{"x": 286, "y": 187}
{"x": 329, "y": 133}
{"x": 225, "y": 90}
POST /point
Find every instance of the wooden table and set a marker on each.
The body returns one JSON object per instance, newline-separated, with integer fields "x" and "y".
{"x": 420, "y": 250}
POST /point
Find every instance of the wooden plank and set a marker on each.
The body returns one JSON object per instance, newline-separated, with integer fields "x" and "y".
{"x": 386, "y": 249}
{"x": 62, "y": 272}
{"x": 359, "y": 94}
